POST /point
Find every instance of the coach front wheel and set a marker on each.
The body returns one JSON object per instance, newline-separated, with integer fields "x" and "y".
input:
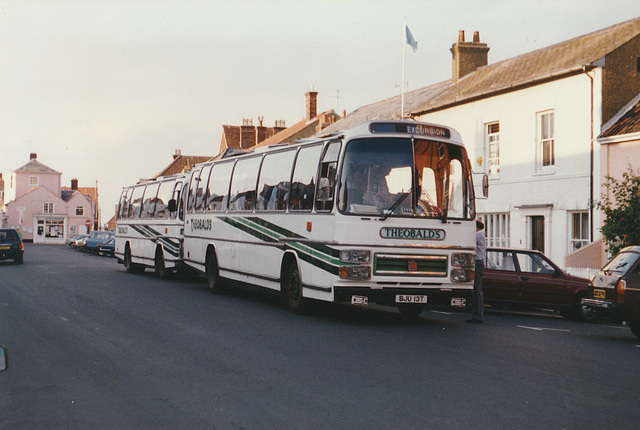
{"x": 160, "y": 268}
{"x": 292, "y": 290}
{"x": 213, "y": 276}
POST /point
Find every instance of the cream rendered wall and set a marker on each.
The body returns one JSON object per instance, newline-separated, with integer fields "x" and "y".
{"x": 567, "y": 187}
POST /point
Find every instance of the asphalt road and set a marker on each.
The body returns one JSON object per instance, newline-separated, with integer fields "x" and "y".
{"x": 91, "y": 346}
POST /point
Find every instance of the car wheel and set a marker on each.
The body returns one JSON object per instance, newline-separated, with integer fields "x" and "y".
{"x": 18, "y": 260}
{"x": 582, "y": 312}
{"x": 412, "y": 310}
{"x": 635, "y": 327}
{"x": 292, "y": 290}
{"x": 160, "y": 268}
{"x": 213, "y": 275}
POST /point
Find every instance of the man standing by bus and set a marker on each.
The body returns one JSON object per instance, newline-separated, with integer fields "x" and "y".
{"x": 477, "y": 309}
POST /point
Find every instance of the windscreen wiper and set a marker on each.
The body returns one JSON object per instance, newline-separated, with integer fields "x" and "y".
{"x": 395, "y": 205}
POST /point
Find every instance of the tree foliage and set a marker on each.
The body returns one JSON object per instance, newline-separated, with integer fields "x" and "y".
{"x": 621, "y": 207}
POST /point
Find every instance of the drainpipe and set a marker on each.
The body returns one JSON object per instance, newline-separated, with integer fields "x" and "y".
{"x": 591, "y": 160}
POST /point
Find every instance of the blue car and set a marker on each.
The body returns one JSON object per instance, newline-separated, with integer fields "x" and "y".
{"x": 108, "y": 247}
{"x": 95, "y": 239}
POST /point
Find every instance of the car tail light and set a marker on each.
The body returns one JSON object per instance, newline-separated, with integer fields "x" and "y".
{"x": 21, "y": 247}
{"x": 620, "y": 289}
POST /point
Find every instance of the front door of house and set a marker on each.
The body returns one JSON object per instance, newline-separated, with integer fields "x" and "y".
{"x": 537, "y": 233}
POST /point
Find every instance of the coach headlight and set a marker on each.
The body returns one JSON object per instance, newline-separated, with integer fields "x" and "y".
{"x": 462, "y": 275}
{"x": 355, "y": 256}
{"x": 355, "y": 272}
{"x": 462, "y": 259}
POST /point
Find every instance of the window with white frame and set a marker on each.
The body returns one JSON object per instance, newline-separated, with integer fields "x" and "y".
{"x": 497, "y": 229}
{"x": 546, "y": 141}
{"x": 579, "y": 230}
{"x": 33, "y": 181}
{"x": 79, "y": 210}
{"x": 47, "y": 208}
{"x": 493, "y": 148}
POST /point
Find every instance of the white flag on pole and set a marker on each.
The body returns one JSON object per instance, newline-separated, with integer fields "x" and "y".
{"x": 409, "y": 38}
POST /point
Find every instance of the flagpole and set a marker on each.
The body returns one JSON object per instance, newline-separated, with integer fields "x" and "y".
{"x": 404, "y": 29}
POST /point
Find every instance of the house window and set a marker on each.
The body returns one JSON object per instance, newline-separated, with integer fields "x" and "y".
{"x": 493, "y": 144}
{"x": 33, "y": 181}
{"x": 579, "y": 230}
{"x": 546, "y": 141}
{"x": 497, "y": 229}
{"x": 47, "y": 208}
{"x": 79, "y": 210}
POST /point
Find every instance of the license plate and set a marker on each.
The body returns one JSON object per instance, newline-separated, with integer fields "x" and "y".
{"x": 359, "y": 300}
{"x": 458, "y": 302}
{"x": 599, "y": 294}
{"x": 410, "y": 298}
{"x": 5, "y": 247}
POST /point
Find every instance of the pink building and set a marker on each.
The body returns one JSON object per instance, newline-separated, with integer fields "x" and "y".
{"x": 40, "y": 209}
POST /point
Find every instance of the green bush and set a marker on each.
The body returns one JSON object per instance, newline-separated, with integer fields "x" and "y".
{"x": 621, "y": 225}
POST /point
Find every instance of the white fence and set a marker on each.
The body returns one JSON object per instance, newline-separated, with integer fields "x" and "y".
{"x": 581, "y": 272}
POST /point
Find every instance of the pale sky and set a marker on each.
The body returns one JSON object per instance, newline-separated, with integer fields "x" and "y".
{"x": 106, "y": 91}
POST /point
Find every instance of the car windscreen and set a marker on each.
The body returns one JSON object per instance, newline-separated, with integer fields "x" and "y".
{"x": 621, "y": 263}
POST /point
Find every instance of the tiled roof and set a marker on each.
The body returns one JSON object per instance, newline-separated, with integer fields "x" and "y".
{"x": 34, "y": 166}
{"x": 628, "y": 123}
{"x": 508, "y": 75}
{"x": 291, "y": 134}
{"x": 89, "y": 192}
{"x": 182, "y": 163}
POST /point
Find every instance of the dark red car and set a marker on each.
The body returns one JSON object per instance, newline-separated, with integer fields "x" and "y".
{"x": 520, "y": 278}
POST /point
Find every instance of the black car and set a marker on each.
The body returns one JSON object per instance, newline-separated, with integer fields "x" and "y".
{"x": 11, "y": 247}
{"x": 616, "y": 289}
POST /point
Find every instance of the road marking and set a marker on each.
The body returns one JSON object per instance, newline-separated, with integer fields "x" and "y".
{"x": 542, "y": 328}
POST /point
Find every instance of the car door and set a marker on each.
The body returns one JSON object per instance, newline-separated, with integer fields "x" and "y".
{"x": 542, "y": 282}
{"x": 501, "y": 281}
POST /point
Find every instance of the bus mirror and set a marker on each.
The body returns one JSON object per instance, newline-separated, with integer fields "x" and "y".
{"x": 485, "y": 186}
{"x": 172, "y": 205}
{"x": 324, "y": 189}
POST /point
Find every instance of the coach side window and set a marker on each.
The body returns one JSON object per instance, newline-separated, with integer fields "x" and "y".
{"x": 327, "y": 181}
{"x": 201, "y": 193}
{"x": 218, "y": 189}
{"x": 149, "y": 205}
{"x": 122, "y": 204}
{"x": 304, "y": 178}
{"x": 162, "y": 201}
{"x": 193, "y": 184}
{"x": 135, "y": 204}
{"x": 243, "y": 184}
{"x": 274, "y": 183}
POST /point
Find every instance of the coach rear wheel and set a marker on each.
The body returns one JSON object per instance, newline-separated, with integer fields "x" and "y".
{"x": 292, "y": 290}
{"x": 213, "y": 275}
{"x": 128, "y": 264}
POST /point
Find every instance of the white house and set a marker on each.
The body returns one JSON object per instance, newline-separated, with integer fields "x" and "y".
{"x": 531, "y": 123}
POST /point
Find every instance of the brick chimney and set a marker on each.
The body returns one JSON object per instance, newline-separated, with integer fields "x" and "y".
{"x": 312, "y": 104}
{"x": 468, "y": 56}
{"x": 74, "y": 184}
{"x": 33, "y": 156}
{"x": 177, "y": 153}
